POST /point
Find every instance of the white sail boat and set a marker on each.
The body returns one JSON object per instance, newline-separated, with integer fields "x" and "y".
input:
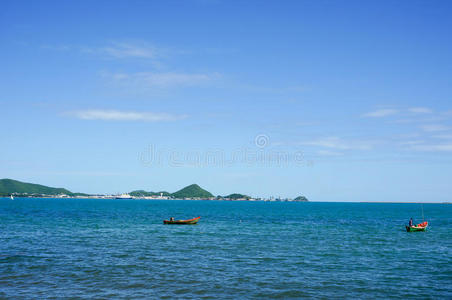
{"x": 11, "y": 196}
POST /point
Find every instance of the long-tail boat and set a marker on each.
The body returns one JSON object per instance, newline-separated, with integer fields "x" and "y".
{"x": 419, "y": 227}
{"x": 182, "y": 222}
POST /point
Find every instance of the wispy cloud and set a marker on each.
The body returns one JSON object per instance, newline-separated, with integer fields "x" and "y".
{"x": 116, "y": 115}
{"x": 117, "y": 50}
{"x": 434, "y": 127}
{"x": 121, "y": 50}
{"x": 274, "y": 89}
{"x": 334, "y": 142}
{"x": 430, "y": 119}
{"x": 443, "y": 136}
{"x": 433, "y": 147}
{"x": 161, "y": 80}
{"x": 57, "y": 47}
{"x": 411, "y": 142}
{"x": 420, "y": 110}
{"x": 329, "y": 153}
{"x": 380, "y": 113}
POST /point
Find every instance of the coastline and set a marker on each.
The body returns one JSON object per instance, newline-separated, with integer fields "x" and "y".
{"x": 227, "y": 200}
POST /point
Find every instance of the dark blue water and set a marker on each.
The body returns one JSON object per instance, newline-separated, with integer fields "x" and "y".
{"x": 54, "y": 248}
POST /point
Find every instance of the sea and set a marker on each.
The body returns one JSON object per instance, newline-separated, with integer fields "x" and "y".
{"x": 120, "y": 249}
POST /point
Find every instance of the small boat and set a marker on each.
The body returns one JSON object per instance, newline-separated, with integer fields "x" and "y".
{"x": 11, "y": 196}
{"x": 182, "y": 222}
{"x": 419, "y": 227}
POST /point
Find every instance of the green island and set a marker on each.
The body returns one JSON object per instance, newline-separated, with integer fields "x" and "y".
{"x": 10, "y": 186}
{"x": 15, "y": 188}
{"x": 192, "y": 191}
{"x": 301, "y": 199}
{"x": 234, "y": 196}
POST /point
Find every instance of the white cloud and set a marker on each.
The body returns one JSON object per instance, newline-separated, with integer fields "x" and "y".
{"x": 57, "y": 47}
{"x": 381, "y": 113}
{"x": 338, "y": 143}
{"x": 117, "y": 50}
{"x": 434, "y": 147}
{"x": 274, "y": 89}
{"x": 329, "y": 153}
{"x": 161, "y": 80}
{"x": 443, "y": 136}
{"x": 434, "y": 127}
{"x": 327, "y": 142}
{"x": 411, "y": 143}
{"x": 430, "y": 119}
{"x": 116, "y": 115}
{"x": 420, "y": 110}
{"x": 122, "y": 50}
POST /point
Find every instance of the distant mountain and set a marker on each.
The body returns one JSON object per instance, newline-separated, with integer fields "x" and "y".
{"x": 192, "y": 191}
{"x": 237, "y": 196}
{"x": 301, "y": 199}
{"x": 10, "y": 186}
{"x": 142, "y": 193}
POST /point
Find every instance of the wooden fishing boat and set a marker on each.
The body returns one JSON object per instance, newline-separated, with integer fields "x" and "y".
{"x": 182, "y": 222}
{"x": 419, "y": 227}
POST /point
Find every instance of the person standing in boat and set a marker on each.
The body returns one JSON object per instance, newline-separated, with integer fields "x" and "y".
{"x": 411, "y": 222}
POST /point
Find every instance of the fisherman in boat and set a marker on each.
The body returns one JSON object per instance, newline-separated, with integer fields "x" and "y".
{"x": 411, "y": 222}
{"x": 171, "y": 219}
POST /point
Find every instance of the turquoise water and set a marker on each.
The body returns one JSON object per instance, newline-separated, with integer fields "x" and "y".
{"x": 53, "y": 248}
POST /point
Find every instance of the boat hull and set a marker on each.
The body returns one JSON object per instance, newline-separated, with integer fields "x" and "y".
{"x": 182, "y": 222}
{"x": 415, "y": 228}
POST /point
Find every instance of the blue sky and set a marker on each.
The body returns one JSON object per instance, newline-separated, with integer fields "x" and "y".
{"x": 334, "y": 100}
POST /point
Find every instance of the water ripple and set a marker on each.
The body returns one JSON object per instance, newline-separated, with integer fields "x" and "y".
{"x": 119, "y": 249}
